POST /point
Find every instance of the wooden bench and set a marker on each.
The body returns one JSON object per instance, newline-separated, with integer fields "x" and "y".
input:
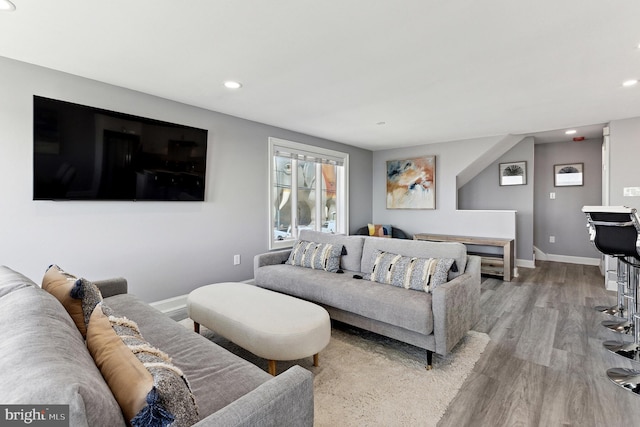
{"x": 495, "y": 264}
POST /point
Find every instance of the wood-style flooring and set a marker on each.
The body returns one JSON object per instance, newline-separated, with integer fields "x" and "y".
{"x": 545, "y": 364}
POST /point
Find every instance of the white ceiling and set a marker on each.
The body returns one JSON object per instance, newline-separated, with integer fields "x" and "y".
{"x": 432, "y": 70}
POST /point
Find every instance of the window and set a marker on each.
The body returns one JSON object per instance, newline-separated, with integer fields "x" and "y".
{"x": 307, "y": 190}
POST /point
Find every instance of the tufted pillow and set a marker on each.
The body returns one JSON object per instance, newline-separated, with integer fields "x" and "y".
{"x": 78, "y": 296}
{"x": 421, "y": 274}
{"x": 146, "y": 385}
{"x": 380, "y": 230}
{"x": 319, "y": 256}
{"x": 59, "y": 284}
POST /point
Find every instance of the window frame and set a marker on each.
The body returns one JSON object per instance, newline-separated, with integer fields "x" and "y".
{"x": 342, "y": 187}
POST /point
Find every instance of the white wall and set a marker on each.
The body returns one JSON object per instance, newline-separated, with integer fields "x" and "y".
{"x": 451, "y": 159}
{"x": 624, "y": 156}
{"x": 164, "y": 249}
{"x": 484, "y": 192}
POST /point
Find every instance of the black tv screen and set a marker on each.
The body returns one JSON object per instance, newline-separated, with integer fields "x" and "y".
{"x": 86, "y": 153}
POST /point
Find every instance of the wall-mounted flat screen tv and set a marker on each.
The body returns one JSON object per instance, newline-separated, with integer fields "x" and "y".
{"x": 86, "y": 153}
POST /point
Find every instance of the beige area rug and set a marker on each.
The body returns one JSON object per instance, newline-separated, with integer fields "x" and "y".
{"x": 365, "y": 379}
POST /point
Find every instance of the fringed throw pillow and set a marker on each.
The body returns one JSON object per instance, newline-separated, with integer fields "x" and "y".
{"x": 150, "y": 390}
{"x": 421, "y": 274}
{"x": 318, "y": 256}
{"x": 59, "y": 284}
{"x": 78, "y": 296}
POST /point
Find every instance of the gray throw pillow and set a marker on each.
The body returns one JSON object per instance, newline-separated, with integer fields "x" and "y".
{"x": 420, "y": 274}
{"x": 319, "y": 256}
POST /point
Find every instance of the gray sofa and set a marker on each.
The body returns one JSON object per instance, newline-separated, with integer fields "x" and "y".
{"x": 434, "y": 321}
{"x": 44, "y": 361}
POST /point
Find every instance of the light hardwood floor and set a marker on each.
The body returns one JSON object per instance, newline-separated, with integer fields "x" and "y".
{"x": 545, "y": 364}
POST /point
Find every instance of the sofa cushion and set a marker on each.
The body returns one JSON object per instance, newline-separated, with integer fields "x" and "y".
{"x": 44, "y": 360}
{"x": 419, "y": 274}
{"x": 415, "y": 248}
{"x": 407, "y": 309}
{"x": 319, "y": 256}
{"x": 216, "y": 376}
{"x": 141, "y": 377}
{"x": 11, "y": 281}
{"x": 351, "y": 257}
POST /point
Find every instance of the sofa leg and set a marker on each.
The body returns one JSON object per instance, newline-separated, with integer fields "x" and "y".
{"x": 429, "y": 360}
{"x": 196, "y": 327}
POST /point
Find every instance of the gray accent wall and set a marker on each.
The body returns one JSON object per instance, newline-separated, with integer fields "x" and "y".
{"x": 164, "y": 249}
{"x": 484, "y": 192}
{"x": 562, "y": 217}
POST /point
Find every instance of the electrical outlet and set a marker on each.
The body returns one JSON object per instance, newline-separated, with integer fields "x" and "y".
{"x": 236, "y": 260}
{"x": 552, "y": 239}
{"x": 631, "y": 191}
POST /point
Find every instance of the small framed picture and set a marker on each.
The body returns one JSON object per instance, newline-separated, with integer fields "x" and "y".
{"x": 513, "y": 173}
{"x": 568, "y": 175}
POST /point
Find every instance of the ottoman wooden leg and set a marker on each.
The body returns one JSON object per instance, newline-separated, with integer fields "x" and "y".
{"x": 196, "y": 327}
{"x": 272, "y": 367}
{"x": 315, "y": 359}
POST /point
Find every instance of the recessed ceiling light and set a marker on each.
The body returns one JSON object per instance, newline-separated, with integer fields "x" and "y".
{"x": 7, "y": 6}
{"x": 629, "y": 83}
{"x": 570, "y": 131}
{"x": 230, "y": 84}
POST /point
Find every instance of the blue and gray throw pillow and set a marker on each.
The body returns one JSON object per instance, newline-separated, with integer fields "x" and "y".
{"x": 421, "y": 274}
{"x": 318, "y": 256}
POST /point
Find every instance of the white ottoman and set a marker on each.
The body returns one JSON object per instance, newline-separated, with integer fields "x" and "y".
{"x": 268, "y": 324}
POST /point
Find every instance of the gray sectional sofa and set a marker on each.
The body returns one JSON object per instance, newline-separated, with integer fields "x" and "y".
{"x": 435, "y": 321}
{"x": 44, "y": 361}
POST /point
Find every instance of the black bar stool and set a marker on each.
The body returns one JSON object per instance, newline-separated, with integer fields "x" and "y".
{"x": 615, "y": 231}
{"x": 622, "y": 286}
{"x": 627, "y": 294}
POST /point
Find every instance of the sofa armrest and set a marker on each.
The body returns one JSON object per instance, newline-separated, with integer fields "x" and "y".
{"x": 111, "y": 287}
{"x": 285, "y": 400}
{"x": 456, "y": 306}
{"x": 270, "y": 258}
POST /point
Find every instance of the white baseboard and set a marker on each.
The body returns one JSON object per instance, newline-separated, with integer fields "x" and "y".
{"x": 175, "y": 304}
{"x": 565, "y": 258}
{"x": 573, "y": 259}
{"x": 171, "y": 305}
{"x": 526, "y": 263}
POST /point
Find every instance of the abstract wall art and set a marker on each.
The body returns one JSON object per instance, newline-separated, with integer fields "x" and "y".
{"x": 411, "y": 183}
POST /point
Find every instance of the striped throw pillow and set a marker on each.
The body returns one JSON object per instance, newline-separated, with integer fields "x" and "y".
{"x": 319, "y": 256}
{"x": 421, "y": 274}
